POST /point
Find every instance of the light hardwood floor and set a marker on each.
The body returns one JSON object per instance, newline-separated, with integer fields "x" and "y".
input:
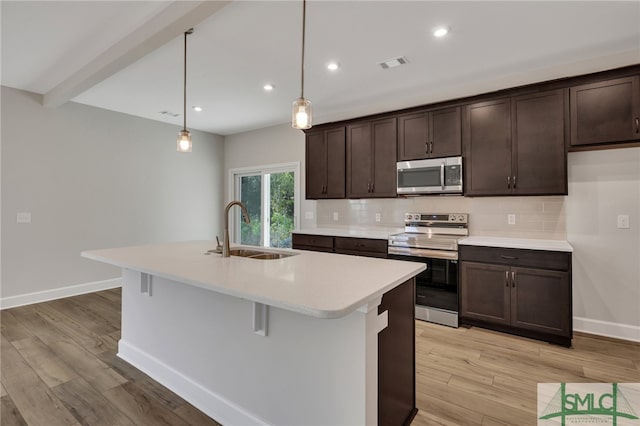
{"x": 59, "y": 368}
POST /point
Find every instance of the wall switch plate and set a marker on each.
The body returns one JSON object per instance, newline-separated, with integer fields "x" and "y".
{"x": 511, "y": 219}
{"x": 23, "y": 217}
{"x": 308, "y": 215}
{"x": 623, "y": 221}
{"x": 335, "y": 216}
{"x": 378, "y": 217}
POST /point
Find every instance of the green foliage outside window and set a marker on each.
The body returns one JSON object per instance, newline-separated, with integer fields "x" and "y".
{"x": 281, "y": 212}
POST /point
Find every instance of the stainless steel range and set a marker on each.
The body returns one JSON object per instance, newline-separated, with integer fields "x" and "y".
{"x": 432, "y": 238}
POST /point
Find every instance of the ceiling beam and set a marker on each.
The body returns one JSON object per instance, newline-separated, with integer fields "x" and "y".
{"x": 173, "y": 21}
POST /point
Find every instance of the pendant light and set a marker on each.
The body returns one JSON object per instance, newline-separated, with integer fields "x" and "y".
{"x": 184, "y": 137}
{"x": 301, "y": 115}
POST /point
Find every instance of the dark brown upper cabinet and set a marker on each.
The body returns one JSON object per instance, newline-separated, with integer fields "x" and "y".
{"x": 325, "y": 164}
{"x": 539, "y": 163}
{"x": 516, "y": 146}
{"x": 371, "y": 159}
{"x": 487, "y": 144}
{"x": 430, "y": 134}
{"x": 605, "y": 112}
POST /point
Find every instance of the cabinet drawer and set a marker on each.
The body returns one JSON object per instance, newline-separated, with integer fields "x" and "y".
{"x": 309, "y": 241}
{"x": 560, "y": 261}
{"x": 361, "y": 245}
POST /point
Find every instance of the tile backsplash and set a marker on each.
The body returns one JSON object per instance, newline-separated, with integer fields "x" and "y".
{"x": 536, "y": 217}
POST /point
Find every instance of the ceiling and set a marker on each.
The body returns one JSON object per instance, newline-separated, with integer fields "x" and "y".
{"x": 242, "y": 45}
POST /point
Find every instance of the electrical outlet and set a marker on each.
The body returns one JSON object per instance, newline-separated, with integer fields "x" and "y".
{"x": 378, "y": 217}
{"x": 308, "y": 215}
{"x": 511, "y": 219}
{"x": 23, "y": 217}
{"x": 623, "y": 221}
{"x": 335, "y": 216}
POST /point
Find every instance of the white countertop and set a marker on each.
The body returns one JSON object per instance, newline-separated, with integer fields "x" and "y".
{"x": 323, "y": 285}
{"x": 518, "y": 243}
{"x": 380, "y": 233}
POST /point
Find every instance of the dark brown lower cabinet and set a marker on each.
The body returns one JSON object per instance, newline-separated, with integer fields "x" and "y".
{"x": 396, "y": 357}
{"x": 312, "y": 242}
{"x": 524, "y": 292}
{"x": 368, "y": 247}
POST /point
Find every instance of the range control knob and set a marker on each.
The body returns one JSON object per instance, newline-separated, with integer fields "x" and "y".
{"x": 452, "y": 218}
{"x": 461, "y": 218}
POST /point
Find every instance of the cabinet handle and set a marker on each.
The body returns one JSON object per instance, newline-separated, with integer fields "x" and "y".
{"x": 514, "y": 181}
{"x": 426, "y": 147}
{"x": 506, "y": 278}
{"x": 373, "y": 187}
{"x": 637, "y": 125}
{"x": 431, "y": 147}
{"x": 513, "y": 279}
{"x": 504, "y": 256}
{"x": 508, "y": 182}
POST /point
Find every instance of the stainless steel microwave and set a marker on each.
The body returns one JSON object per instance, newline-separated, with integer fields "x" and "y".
{"x": 432, "y": 176}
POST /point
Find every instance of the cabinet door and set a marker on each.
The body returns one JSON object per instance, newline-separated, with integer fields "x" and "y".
{"x": 487, "y": 144}
{"x": 384, "y": 137}
{"x": 445, "y": 132}
{"x": 335, "y": 179}
{"x": 413, "y": 136}
{"x": 606, "y": 111}
{"x": 538, "y": 148}
{"x": 541, "y": 300}
{"x": 316, "y": 165}
{"x": 485, "y": 292}
{"x": 359, "y": 160}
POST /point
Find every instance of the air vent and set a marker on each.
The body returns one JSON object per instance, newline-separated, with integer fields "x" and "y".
{"x": 392, "y": 63}
{"x": 169, "y": 113}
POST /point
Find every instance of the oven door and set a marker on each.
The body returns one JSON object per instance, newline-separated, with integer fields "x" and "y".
{"x": 437, "y": 286}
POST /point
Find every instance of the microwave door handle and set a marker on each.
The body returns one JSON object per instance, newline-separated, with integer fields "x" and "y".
{"x": 442, "y": 175}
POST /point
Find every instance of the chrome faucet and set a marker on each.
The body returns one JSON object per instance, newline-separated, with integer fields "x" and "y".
{"x": 245, "y": 214}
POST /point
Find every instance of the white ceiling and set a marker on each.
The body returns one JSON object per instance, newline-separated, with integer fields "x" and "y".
{"x": 246, "y": 44}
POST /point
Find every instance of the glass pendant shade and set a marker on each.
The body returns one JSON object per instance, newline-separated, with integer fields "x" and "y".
{"x": 301, "y": 114}
{"x": 184, "y": 141}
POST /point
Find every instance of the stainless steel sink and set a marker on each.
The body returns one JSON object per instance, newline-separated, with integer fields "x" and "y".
{"x": 255, "y": 254}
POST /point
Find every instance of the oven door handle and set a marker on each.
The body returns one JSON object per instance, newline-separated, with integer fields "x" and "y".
{"x": 433, "y": 254}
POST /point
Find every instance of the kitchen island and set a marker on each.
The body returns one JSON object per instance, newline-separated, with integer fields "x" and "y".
{"x": 313, "y": 338}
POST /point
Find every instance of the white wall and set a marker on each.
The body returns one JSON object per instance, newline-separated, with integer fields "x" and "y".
{"x": 93, "y": 178}
{"x": 606, "y": 260}
{"x": 271, "y": 145}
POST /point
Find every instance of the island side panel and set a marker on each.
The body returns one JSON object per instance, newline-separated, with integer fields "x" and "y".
{"x": 201, "y": 345}
{"x": 396, "y": 357}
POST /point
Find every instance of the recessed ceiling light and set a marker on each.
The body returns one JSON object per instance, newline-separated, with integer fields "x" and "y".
{"x": 441, "y": 32}
{"x": 197, "y": 108}
{"x": 269, "y": 87}
{"x": 333, "y": 66}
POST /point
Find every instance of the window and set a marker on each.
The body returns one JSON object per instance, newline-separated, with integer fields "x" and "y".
{"x": 271, "y": 196}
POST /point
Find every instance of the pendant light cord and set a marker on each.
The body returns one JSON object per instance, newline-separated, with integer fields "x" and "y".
{"x": 184, "y": 111}
{"x": 304, "y": 15}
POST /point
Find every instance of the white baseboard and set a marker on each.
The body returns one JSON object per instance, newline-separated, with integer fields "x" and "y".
{"x": 212, "y": 404}
{"x": 608, "y": 329}
{"x": 58, "y": 293}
